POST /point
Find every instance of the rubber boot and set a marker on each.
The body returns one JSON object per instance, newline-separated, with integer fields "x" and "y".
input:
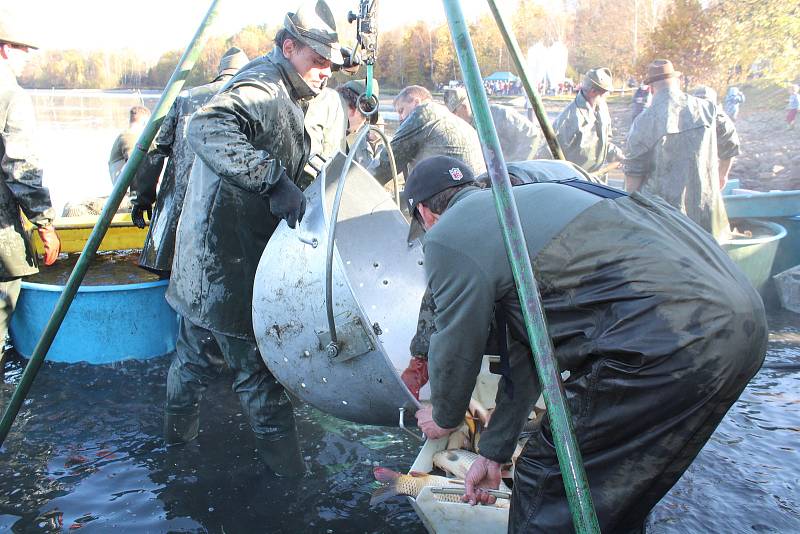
{"x": 180, "y": 428}
{"x": 282, "y": 455}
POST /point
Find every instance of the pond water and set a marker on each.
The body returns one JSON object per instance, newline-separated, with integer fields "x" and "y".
{"x": 111, "y": 267}
{"x": 86, "y": 453}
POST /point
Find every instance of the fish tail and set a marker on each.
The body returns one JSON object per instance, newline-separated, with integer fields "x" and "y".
{"x": 382, "y": 494}
{"x": 385, "y": 475}
{"x": 389, "y": 490}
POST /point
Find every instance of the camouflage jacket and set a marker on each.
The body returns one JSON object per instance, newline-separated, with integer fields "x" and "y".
{"x": 430, "y": 130}
{"x": 326, "y": 124}
{"x": 653, "y": 305}
{"x": 21, "y": 190}
{"x": 171, "y": 142}
{"x": 675, "y": 146}
{"x": 585, "y": 134}
{"x": 243, "y": 138}
{"x": 519, "y": 137}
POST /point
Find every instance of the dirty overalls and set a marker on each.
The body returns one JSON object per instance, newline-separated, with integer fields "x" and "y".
{"x": 657, "y": 357}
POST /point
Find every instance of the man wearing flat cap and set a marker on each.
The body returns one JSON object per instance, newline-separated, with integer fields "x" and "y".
{"x": 356, "y": 105}
{"x": 251, "y": 149}
{"x": 519, "y": 137}
{"x": 21, "y": 189}
{"x": 159, "y": 245}
{"x": 660, "y": 332}
{"x": 681, "y": 149}
{"x": 584, "y": 127}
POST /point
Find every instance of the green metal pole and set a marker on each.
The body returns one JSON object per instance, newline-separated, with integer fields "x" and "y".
{"x": 171, "y": 91}
{"x": 533, "y": 94}
{"x": 569, "y": 456}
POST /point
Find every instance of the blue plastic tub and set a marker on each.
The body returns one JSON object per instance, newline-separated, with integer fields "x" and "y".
{"x": 104, "y": 324}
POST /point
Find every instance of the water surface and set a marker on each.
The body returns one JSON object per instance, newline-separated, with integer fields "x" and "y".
{"x": 86, "y": 452}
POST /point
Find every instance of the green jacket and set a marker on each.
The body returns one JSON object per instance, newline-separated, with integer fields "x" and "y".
{"x": 585, "y": 134}
{"x": 520, "y": 172}
{"x": 675, "y": 145}
{"x": 171, "y": 142}
{"x": 519, "y": 137}
{"x": 628, "y": 283}
{"x": 243, "y": 137}
{"x": 326, "y": 123}
{"x": 21, "y": 189}
{"x": 430, "y": 130}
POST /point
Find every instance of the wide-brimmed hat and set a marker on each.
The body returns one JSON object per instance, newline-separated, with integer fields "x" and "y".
{"x": 599, "y": 77}
{"x": 454, "y": 97}
{"x": 313, "y": 24}
{"x": 10, "y": 32}
{"x": 232, "y": 60}
{"x": 660, "y": 69}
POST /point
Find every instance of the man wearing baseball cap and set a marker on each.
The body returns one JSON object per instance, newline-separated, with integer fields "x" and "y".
{"x": 251, "y": 152}
{"x": 650, "y": 316}
{"x": 21, "y": 189}
{"x": 584, "y": 127}
{"x": 681, "y": 149}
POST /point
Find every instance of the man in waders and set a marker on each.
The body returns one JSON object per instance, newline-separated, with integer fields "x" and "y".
{"x": 681, "y": 149}
{"x": 519, "y": 137}
{"x": 251, "y": 148}
{"x": 21, "y": 189}
{"x": 427, "y": 129}
{"x": 356, "y": 118}
{"x": 171, "y": 142}
{"x": 584, "y": 127}
{"x": 659, "y": 329}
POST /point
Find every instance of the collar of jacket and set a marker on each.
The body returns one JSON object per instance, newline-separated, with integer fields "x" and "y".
{"x": 297, "y": 85}
{"x": 7, "y": 76}
{"x": 464, "y": 193}
{"x": 582, "y": 103}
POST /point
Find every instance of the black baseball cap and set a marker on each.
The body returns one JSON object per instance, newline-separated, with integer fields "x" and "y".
{"x": 428, "y": 178}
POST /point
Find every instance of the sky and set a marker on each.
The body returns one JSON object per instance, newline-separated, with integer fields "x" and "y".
{"x": 151, "y": 27}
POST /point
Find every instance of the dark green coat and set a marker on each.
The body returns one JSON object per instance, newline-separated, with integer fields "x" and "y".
{"x": 21, "y": 189}
{"x": 628, "y": 285}
{"x": 243, "y": 137}
{"x": 171, "y": 142}
{"x": 430, "y": 130}
{"x": 675, "y": 146}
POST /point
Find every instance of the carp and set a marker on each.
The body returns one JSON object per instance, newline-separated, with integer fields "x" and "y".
{"x": 412, "y": 484}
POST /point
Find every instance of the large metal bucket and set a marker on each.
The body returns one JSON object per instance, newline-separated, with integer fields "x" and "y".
{"x": 378, "y": 282}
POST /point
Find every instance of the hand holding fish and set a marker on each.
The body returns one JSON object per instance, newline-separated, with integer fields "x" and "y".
{"x": 428, "y": 426}
{"x": 482, "y": 475}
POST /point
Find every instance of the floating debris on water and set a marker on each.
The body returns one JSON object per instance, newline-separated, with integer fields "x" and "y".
{"x": 116, "y": 267}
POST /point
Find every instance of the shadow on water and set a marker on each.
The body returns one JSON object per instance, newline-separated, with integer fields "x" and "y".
{"x": 85, "y": 453}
